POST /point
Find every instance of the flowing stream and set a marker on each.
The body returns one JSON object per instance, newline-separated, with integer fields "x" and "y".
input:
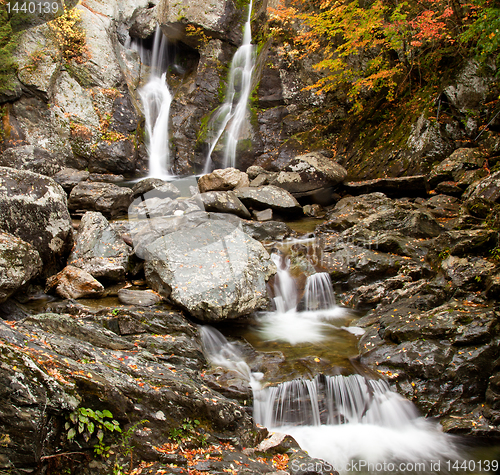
{"x": 351, "y": 422}
{"x": 232, "y": 114}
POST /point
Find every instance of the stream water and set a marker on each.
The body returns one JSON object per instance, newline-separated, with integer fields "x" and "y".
{"x": 353, "y": 422}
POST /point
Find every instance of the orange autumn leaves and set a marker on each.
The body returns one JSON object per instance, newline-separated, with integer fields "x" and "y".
{"x": 375, "y": 46}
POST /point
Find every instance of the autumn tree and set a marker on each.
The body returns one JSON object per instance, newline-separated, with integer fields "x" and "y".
{"x": 386, "y": 46}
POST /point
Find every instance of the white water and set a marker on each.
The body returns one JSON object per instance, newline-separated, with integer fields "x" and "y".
{"x": 156, "y": 100}
{"x": 342, "y": 420}
{"x": 289, "y": 324}
{"x": 220, "y": 352}
{"x": 232, "y": 114}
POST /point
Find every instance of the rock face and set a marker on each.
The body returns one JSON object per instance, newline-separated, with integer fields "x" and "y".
{"x": 19, "y": 263}
{"x": 33, "y": 208}
{"x": 136, "y": 363}
{"x": 224, "y": 202}
{"x": 99, "y": 249}
{"x": 108, "y": 198}
{"x": 74, "y": 283}
{"x": 215, "y": 271}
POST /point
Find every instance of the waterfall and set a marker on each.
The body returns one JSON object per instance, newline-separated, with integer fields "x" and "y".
{"x": 348, "y": 420}
{"x": 156, "y": 99}
{"x": 220, "y": 352}
{"x": 289, "y": 324}
{"x": 232, "y": 114}
{"x": 318, "y": 294}
{"x": 285, "y": 289}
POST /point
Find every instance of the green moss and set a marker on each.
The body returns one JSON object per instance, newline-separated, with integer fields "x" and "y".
{"x": 8, "y": 42}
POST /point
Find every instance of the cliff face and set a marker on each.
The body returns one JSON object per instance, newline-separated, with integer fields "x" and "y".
{"x": 75, "y": 99}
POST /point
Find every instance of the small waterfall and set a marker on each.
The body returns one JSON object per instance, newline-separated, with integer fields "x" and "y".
{"x": 318, "y": 294}
{"x": 220, "y": 352}
{"x": 285, "y": 289}
{"x": 351, "y": 421}
{"x": 156, "y": 100}
{"x": 231, "y": 116}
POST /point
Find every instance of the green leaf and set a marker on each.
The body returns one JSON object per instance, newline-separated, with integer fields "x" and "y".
{"x": 81, "y": 428}
{"x": 106, "y": 413}
{"x": 91, "y": 427}
{"x": 71, "y": 433}
{"x": 100, "y": 435}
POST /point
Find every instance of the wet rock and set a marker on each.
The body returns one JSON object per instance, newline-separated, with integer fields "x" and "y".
{"x": 449, "y": 188}
{"x": 99, "y": 249}
{"x": 108, "y": 198}
{"x": 142, "y": 298}
{"x": 487, "y": 189}
{"x": 443, "y": 206}
{"x": 441, "y": 358}
{"x": 74, "y": 283}
{"x": 254, "y": 171}
{"x": 155, "y": 187}
{"x": 106, "y": 177}
{"x": 113, "y": 156}
{"x": 223, "y": 180}
{"x": 68, "y": 178}
{"x": 263, "y": 197}
{"x": 214, "y": 271}
{"x": 467, "y": 273}
{"x": 68, "y": 362}
{"x": 33, "y": 208}
{"x": 19, "y": 263}
{"x": 394, "y": 187}
{"x": 350, "y": 210}
{"x": 224, "y": 202}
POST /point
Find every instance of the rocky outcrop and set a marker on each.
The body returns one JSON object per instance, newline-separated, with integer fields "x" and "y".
{"x": 99, "y": 249}
{"x": 215, "y": 271}
{"x": 34, "y": 208}
{"x": 19, "y": 263}
{"x": 139, "y": 364}
{"x": 224, "y": 202}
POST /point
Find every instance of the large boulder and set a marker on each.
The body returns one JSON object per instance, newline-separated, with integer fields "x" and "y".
{"x": 35, "y": 159}
{"x": 108, "y": 198}
{"x": 223, "y": 180}
{"x": 34, "y": 208}
{"x": 19, "y": 263}
{"x": 310, "y": 172}
{"x": 99, "y": 249}
{"x": 215, "y": 271}
{"x": 224, "y": 202}
{"x": 262, "y": 197}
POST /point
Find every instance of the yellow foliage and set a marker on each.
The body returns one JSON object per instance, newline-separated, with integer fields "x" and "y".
{"x": 70, "y": 35}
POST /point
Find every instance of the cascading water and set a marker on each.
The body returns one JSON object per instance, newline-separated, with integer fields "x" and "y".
{"x": 350, "y": 422}
{"x": 232, "y": 114}
{"x": 156, "y": 100}
{"x": 289, "y": 324}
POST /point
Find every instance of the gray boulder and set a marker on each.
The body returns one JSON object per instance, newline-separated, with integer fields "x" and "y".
{"x": 99, "y": 249}
{"x": 155, "y": 187}
{"x": 141, "y": 298}
{"x": 68, "y": 178}
{"x": 74, "y": 283}
{"x": 486, "y": 189}
{"x": 309, "y": 172}
{"x": 35, "y": 159}
{"x": 224, "y": 202}
{"x": 273, "y": 197}
{"x": 33, "y": 208}
{"x": 19, "y": 263}
{"x": 215, "y": 271}
{"x": 108, "y": 198}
